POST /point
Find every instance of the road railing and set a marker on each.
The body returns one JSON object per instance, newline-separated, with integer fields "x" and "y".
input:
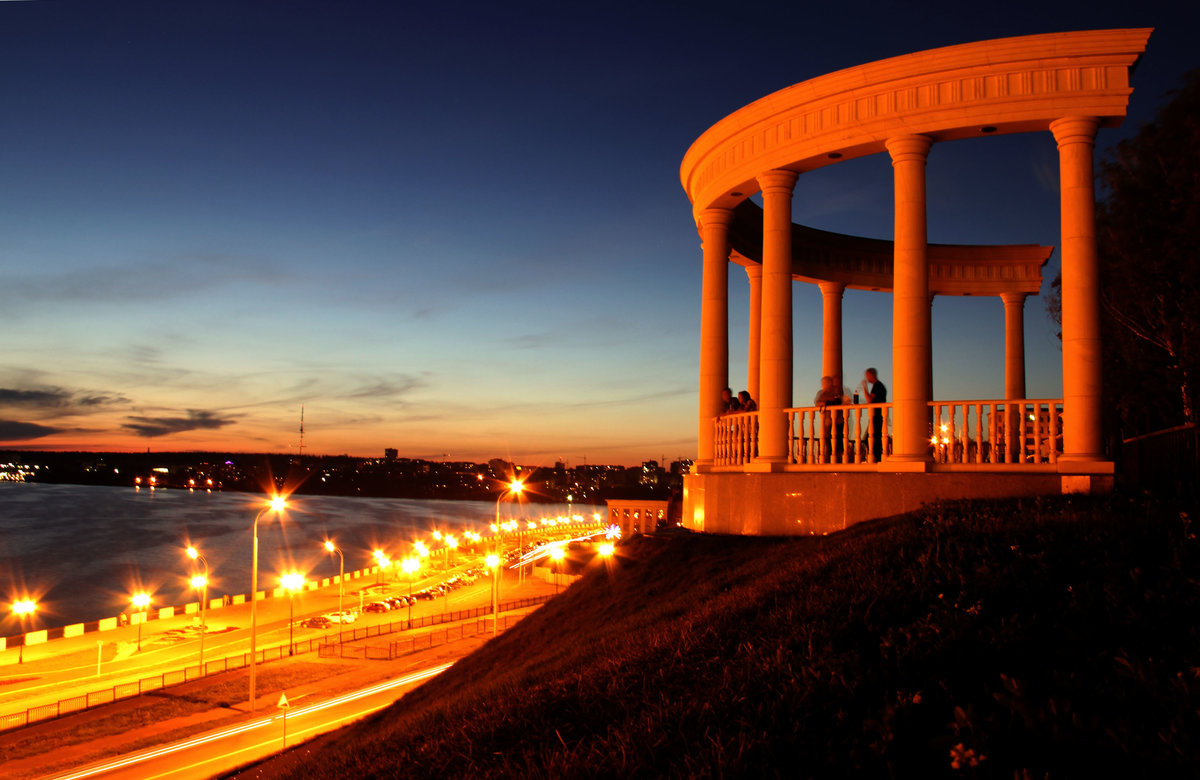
{"x": 132, "y": 689}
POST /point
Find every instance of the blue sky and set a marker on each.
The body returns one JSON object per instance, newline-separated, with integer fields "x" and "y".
{"x": 457, "y": 229}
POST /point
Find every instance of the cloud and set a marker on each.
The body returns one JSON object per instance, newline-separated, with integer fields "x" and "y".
{"x": 386, "y": 387}
{"x": 14, "y": 430}
{"x": 58, "y": 398}
{"x": 50, "y": 397}
{"x": 181, "y": 275}
{"x": 196, "y": 419}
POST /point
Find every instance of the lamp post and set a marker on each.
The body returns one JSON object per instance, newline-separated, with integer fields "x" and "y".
{"x": 514, "y": 487}
{"x": 23, "y": 609}
{"x": 557, "y": 553}
{"x": 292, "y": 582}
{"x": 141, "y": 601}
{"x": 493, "y": 562}
{"x": 331, "y": 547}
{"x": 410, "y": 566}
{"x": 276, "y": 505}
{"x": 200, "y": 583}
{"x": 378, "y": 567}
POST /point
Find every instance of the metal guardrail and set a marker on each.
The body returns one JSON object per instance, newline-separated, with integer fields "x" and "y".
{"x": 402, "y": 647}
{"x": 158, "y": 682}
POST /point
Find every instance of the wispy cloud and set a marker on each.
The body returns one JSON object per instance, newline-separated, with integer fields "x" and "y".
{"x": 195, "y": 419}
{"x": 135, "y": 281}
{"x": 15, "y": 430}
{"x": 59, "y": 399}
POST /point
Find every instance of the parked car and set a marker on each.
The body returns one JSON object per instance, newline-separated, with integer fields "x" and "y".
{"x": 341, "y": 617}
{"x": 319, "y": 621}
{"x": 376, "y": 606}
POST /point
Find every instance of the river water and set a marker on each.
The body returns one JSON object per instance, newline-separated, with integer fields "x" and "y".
{"x": 83, "y": 550}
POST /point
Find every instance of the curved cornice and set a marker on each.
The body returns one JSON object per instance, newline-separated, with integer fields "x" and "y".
{"x": 1008, "y": 85}
{"x": 866, "y": 263}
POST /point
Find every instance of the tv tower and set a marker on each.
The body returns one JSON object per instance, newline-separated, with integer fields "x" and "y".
{"x": 300, "y": 451}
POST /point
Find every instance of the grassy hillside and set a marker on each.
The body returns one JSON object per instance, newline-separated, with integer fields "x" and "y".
{"x": 979, "y": 639}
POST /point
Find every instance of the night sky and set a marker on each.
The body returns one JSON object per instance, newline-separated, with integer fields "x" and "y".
{"x": 451, "y": 227}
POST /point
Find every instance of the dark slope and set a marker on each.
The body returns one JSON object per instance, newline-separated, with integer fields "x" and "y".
{"x": 975, "y": 639}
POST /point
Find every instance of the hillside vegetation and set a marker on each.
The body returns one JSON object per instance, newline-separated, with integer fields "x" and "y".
{"x": 1027, "y": 639}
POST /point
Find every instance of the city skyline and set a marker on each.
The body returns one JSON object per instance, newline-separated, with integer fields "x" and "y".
{"x": 449, "y": 237}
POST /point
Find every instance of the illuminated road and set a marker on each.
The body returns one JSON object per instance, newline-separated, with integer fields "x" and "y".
{"x": 225, "y": 749}
{"x": 34, "y": 686}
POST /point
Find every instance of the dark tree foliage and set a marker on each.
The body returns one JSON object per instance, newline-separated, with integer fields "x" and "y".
{"x": 1148, "y": 235}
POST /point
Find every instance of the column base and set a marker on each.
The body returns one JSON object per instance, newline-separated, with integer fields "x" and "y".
{"x": 905, "y": 465}
{"x": 763, "y": 466}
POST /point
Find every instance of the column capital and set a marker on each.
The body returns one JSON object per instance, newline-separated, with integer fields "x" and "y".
{"x": 1013, "y": 298}
{"x": 778, "y": 180}
{"x": 909, "y": 148}
{"x": 1075, "y": 130}
{"x": 832, "y": 288}
{"x": 715, "y": 217}
{"x": 753, "y": 271}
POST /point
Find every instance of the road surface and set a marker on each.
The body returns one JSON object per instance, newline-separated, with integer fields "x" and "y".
{"x": 226, "y": 749}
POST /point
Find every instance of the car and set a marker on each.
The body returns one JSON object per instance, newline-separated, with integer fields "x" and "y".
{"x": 376, "y": 606}
{"x": 341, "y": 617}
{"x": 320, "y": 621}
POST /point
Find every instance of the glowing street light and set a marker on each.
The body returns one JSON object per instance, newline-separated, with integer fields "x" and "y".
{"x": 140, "y": 602}
{"x": 421, "y": 550}
{"x": 410, "y": 567}
{"x": 333, "y": 548}
{"x": 379, "y": 559}
{"x": 493, "y": 562}
{"x": 606, "y": 549}
{"x": 292, "y": 582}
{"x": 557, "y": 553}
{"x": 200, "y": 583}
{"x": 276, "y": 505}
{"x": 23, "y": 609}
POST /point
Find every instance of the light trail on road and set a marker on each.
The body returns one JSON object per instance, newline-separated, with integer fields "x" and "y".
{"x": 137, "y": 758}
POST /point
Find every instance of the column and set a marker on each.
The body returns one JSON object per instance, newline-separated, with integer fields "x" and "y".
{"x": 1014, "y": 345}
{"x": 714, "y": 326}
{"x": 754, "y": 341}
{"x": 831, "y": 330}
{"x": 1082, "y": 433}
{"x": 910, "y": 301}
{"x": 775, "y": 383}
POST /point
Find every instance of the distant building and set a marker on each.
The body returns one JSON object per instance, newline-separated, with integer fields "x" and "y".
{"x": 391, "y": 453}
{"x": 636, "y": 516}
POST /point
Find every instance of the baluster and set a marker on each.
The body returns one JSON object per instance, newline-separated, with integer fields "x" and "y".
{"x": 965, "y": 454}
{"x": 1037, "y": 433}
{"x": 991, "y": 423}
{"x": 978, "y": 433}
{"x": 1053, "y": 407}
{"x": 1023, "y": 427}
{"x": 951, "y": 437}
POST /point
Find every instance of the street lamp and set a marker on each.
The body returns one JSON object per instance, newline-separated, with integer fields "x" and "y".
{"x": 23, "y": 609}
{"x": 331, "y": 547}
{"x": 514, "y": 487}
{"x": 292, "y": 582}
{"x": 276, "y": 505}
{"x": 141, "y": 601}
{"x": 410, "y": 566}
{"x": 493, "y": 562}
{"x": 557, "y": 553}
{"x": 451, "y": 546}
{"x": 200, "y": 583}
{"x": 606, "y": 549}
{"x": 378, "y": 567}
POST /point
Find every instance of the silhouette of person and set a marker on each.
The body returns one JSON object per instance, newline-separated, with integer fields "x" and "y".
{"x": 875, "y": 392}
